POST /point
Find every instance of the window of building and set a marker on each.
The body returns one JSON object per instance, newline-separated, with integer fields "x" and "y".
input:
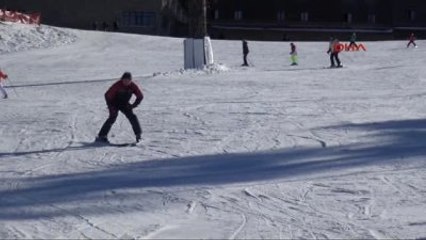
{"x": 304, "y": 16}
{"x": 412, "y": 15}
{"x": 349, "y": 17}
{"x": 372, "y": 18}
{"x": 216, "y": 14}
{"x": 140, "y": 19}
{"x": 280, "y": 16}
{"x": 238, "y": 15}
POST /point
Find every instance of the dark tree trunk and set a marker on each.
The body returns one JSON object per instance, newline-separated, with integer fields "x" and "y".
{"x": 196, "y": 15}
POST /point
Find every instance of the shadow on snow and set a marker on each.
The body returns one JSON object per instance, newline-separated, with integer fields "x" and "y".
{"x": 391, "y": 142}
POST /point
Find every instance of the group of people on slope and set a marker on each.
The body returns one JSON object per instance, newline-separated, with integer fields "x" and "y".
{"x": 117, "y": 97}
{"x": 334, "y": 49}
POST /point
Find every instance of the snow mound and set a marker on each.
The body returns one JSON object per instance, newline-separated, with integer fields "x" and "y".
{"x": 209, "y": 69}
{"x": 16, "y": 37}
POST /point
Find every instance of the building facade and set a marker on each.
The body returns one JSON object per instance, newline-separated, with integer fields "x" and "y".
{"x": 237, "y": 19}
{"x": 139, "y": 16}
{"x": 316, "y": 19}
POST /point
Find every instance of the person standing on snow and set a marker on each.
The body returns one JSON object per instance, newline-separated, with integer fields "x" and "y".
{"x": 412, "y": 39}
{"x": 3, "y": 76}
{"x": 334, "y": 50}
{"x": 352, "y": 40}
{"x": 293, "y": 54}
{"x": 245, "y": 52}
{"x": 117, "y": 99}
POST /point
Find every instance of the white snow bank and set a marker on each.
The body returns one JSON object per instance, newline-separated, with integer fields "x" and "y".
{"x": 209, "y": 69}
{"x": 15, "y": 37}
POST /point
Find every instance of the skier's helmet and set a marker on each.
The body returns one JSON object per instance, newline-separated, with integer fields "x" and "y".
{"x": 126, "y": 75}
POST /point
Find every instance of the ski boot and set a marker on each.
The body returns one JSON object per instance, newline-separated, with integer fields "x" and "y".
{"x": 101, "y": 139}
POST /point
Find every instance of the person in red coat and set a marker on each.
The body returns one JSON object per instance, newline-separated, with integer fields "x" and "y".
{"x": 3, "y": 76}
{"x": 117, "y": 99}
{"x": 411, "y": 40}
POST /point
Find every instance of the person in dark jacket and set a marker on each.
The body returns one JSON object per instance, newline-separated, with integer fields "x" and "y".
{"x": 117, "y": 99}
{"x": 245, "y": 52}
{"x": 352, "y": 40}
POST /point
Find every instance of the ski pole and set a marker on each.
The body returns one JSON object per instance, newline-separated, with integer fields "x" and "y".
{"x": 13, "y": 87}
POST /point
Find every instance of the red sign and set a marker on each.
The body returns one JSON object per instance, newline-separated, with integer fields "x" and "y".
{"x": 350, "y": 48}
{"x": 13, "y": 16}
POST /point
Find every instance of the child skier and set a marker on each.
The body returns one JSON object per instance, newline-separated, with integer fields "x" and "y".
{"x": 293, "y": 54}
{"x": 117, "y": 99}
{"x": 412, "y": 39}
{"x": 3, "y": 76}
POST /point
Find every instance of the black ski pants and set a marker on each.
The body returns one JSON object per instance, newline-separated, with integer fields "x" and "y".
{"x": 411, "y": 42}
{"x": 352, "y": 45}
{"x": 334, "y": 57}
{"x": 113, "y": 114}
{"x": 245, "y": 59}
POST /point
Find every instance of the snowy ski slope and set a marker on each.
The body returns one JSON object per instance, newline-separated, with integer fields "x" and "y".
{"x": 270, "y": 151}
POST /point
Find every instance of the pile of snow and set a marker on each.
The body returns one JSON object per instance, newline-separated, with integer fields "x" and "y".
{"x": 209, "y": 69}
{"x": 15, "y": 37}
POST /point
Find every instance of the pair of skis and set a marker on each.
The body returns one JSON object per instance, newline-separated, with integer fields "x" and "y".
{"x": 104, "y": 143}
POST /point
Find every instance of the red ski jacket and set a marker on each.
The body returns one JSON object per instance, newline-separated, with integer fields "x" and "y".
{"x": 2, "y": 75}
{"x": 118, "y": 95}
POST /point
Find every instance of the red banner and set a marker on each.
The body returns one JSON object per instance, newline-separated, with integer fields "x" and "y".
{"x": 13, "y": 16}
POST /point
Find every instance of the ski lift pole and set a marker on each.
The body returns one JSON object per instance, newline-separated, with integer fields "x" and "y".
{"x": 13, "y": 87}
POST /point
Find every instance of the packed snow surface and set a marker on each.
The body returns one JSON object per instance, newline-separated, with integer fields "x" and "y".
{"x": 19, "y": 37}
{"x": 269, "y": 151}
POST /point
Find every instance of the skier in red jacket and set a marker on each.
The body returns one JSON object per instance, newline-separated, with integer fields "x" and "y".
{"x": 117, "y": 98}
{"x": 3, "y": 76}
{"x": 411, "y": 40}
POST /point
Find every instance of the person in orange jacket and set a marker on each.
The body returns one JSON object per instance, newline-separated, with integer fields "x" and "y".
{"x": 3, "y": 76}
{"x": 334, "y": 51}
{"x": 117, "y": 99}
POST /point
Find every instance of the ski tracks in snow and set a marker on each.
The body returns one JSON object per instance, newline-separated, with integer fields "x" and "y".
{"x": 240, "y": 228}
{"x": 325, "y": 208}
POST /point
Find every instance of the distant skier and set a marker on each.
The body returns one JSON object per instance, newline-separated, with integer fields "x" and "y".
{"x": 3, "y": 76}
{"x": 352, "y": 44}
{"x": 117, "y": 99}
{"x": 293, "y": 54}
{"x": 334, "y": 50}
{"x": 245, "y": 52}
{"x": 411, "y": 39}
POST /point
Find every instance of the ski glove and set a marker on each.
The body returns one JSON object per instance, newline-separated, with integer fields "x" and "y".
{"x": 130, "y": 106}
